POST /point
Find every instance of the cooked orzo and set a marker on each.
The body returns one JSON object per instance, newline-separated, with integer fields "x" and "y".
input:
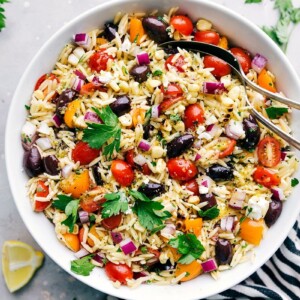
{"x": 147, "y": 161}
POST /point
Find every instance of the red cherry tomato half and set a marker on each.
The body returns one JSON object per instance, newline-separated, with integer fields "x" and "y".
{"x": 193, "y": 116}
{"x": 166, "y": 104}
{"x": 84, "y": 153}
{"x": 193, "y": 187}
{"x": 229, "y": 145}
{"x": 98, "y": 61}
{"x": 120, "y": 272}
{"x": 181, "y": 169}
{"x": 207, "y": 36}
{"x": 129, "y": 157}
{"x": 42, "y": 190}
{"x": 122, "y": 172}
{"x": 43, "y": 78}
{"x": 221, "y": 68}
{"x": 112, "y": 222}
{"x": 146, "y": 170}
{"x": 88, "y": 203}
{"x": 265, "y": 177}
{"x": 243, "y": 58}
{"x": 182, "y": 24}
{"x": 172, "y": 91}
{"x": 269, "y": 153}
{"x": 178, "y": 63}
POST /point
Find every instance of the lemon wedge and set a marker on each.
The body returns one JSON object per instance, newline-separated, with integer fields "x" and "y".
{"x": 19, "y": 262}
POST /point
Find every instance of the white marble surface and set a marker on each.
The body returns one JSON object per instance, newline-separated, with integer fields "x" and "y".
{"x": 29, "y": 25}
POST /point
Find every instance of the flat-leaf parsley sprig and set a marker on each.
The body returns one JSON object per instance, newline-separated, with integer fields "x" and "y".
{"x": 96, "y": 135}
{"x": 2, "y": 16}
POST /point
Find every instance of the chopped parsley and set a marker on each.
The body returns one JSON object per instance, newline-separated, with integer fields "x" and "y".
{"x": 110, "y": 132}
{"x": 27, "y": 107}
{"x": 175, "y": 118}
{"x": 276, "y": 112}
{"x": 149, "y": 212}
{"x": 62, "y": 202}
{"x": 294, "y": 182}
{"x": 82, "y": 266}
{"x": 211, "y": 213}
{"x": 252, "y": 1}
{"x": 157, "y": 73}
{"x": 189, "y": 246}
{"x": 124, "y": 70}
{"x": 2, "y": 16}
{"x": 115, "y": 204}
{"x": 136, "y": 39}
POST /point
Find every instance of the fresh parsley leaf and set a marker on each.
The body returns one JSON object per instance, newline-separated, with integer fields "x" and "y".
{"x": 242, "y": 219}
{"x": 294, "y": 182}
{"x": 189, "y": 246}
{"x": 62, "y": 202}
{"x": 27, "y": 107}
{"x": 149, "y": 212}
{"x": 92, "y": 218}
{"x": 157, "y": 73}
{"x": 96, "y": 135}
{"x": 124, "y": 70}
{"x": 175, "y": 118}
{"x": 211, "y": 213}
{"x": 253, "y": 1}
{"x": 295, "y": 15}
{"x": 148, "y": 114}
{"x": 82, "y": 266}
{"x": 71, "y": 212}
{"x": 2, "y": 16}
{"x": 270, "y": 31}
{"x": 275, "y": 112}
{"x": 115, "y": 204}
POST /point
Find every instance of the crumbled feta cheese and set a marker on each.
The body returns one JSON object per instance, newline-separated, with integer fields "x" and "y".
{"x": 257, "y": 207}
{"x": 44, "y": 128}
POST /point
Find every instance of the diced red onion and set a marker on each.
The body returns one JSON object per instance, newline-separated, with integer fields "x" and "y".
{"x": 155, "y": 111}
{"x": 79, "y": 74}
{"x": 212, "y": 129}
{"x": 66, "y": 171}
{"x": 227, "y": 223}
{"x": 283, "y": 155}
{"x": 92, "y": 117}
{"x": 140, "y": 159}
{"x": 27, "y": 145}
{"x": 143, "y": 58}
{"x": 205, "y": 184}
{"x": 144, "y": 145}
{"x": 116, "y": 237}
{"x": 82, "y": 39}
{"x": 209, "y": 265}
{"x": 44, "y": 143}
{"x": 197, "y": 157}
{"x": 77, "y": 84}
{"x": 215, "y": 88}
{"x": 56, "y": 120}
{"x": 83, "y": 216}
{"x": 258, "y": 63}
{"x": 234, "y": 130}
{"x": 137, "y": 275}
{"x": 197, "y": 144}
{"x": 81, "y": 253}
{"x": 268, "y": 103}
{"x": 128, "y": 246}
{"x": 237, "y": 199}
{"x": 277, "y": 193}
{"x": 168, "y": 231}
{"x": 98, "y": 259}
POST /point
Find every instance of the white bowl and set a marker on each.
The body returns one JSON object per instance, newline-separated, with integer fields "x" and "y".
{"x": 239, "y": 31}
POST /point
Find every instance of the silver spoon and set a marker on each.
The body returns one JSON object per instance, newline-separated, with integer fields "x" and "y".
{"x": 232, "y": 61}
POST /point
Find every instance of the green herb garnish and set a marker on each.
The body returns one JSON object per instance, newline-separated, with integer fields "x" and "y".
{"x": 62, "y": 202}
{"x": 82, "y": 266}
{"x": 294, "y": 182}
{"x": 211, "y": 213}
{"x": 252, "y": 1}
{"x": 115, "y": 204}
{"x": 71, "y": 212}
{"x": 276, "y": 112}
{"x": 175, "y": 118}
{"x": 124, "y": 70}
{"x": 2, "y": 16}
{"x": 157, "y": 73}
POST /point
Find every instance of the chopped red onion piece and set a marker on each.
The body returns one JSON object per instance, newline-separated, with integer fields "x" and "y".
{"x": 79, "y": 74}
{"x": 155, "y": 111}
{"x": 197, "y": 144}
{"x": 215, "y": 88}
{"x": 127, "y": 246}
{"x": 209, "y": 265}
{"x": 237, "y": 199}
{"x": 116, "y": 237}
{"x": 27, "y": 143}
{"x": 168, "y": 231}
{"x": 44, "y": 143}
{"x": 92, "y": 117}
{"x": 277, "y": 193}
{"x": 227, "y": 223}
{"x": 57, "y": 121}
{"x": 258, "y": 63}
{"x": 283, "y": 155}
{"x": 140, "y": 160}
{"x": 198, "y": 156}
{"x": 96, "y": 81}
{"x": 143, "y": 58}
{"x": 81, "y": 253}
{"x": 205, "y": 184}
{"x": 234, "y": 130}
{"x": 137, "y": 275}
{"x": 83, "y": 216}
{"x": 82, "y": 39}
{"x": 210, "y": 127}
{"x": 66, "y": 171}
{"x": 77, "y": 84}
{"x": 98, "y": 259}
{"x": 144, "y": 145}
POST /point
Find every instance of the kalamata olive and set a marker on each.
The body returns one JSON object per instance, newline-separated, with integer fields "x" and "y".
{"x": 273, "y": 213}
{"x": 223, "y": 251}
{"x": 96, "y": 175}
{"x": 156, "y": 29}
{"x": 147, "y": 131}
{"x": 220, "y": 173}
{"x": 33, "y": 162}
{"x": 140, "y": 73}
{"x": 121, "y": 106}
{"x": 179, "y": 145}
{"x": 51, "y": 165}
{"x": 210, "y": 198}
{"x": 110, "y": 31}
{"x": 252, "y": 133}
{"x": 63, "y": 99}
{"x": 158, "y": 267}
{"x": 152, "y": 190}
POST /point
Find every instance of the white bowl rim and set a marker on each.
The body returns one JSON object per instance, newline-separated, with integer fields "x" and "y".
{"x": 125, "y": 292}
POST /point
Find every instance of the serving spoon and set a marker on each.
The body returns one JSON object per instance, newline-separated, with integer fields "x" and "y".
{"x": 209, "y": 49}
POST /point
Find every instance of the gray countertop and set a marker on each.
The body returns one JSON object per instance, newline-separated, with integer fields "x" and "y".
{"x": 29, "y": 25}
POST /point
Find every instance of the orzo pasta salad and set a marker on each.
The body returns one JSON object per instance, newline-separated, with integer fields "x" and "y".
{"x": 148, "y": 161}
